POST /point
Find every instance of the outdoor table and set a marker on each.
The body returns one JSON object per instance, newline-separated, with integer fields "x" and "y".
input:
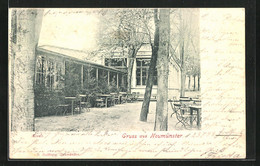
{"x": 184, "y": 98}
{"x": 106, "y": 96}
{"x": 115, "y": 97}
{"x": 198, "y": 109}
{"x": 122, "y": 94}
{"x": 185, "y": 101}
{"x": 81, "y": 96}
{"x": 196, "y": 101}
{"x": 177, "y": 104}
{"x": 72, "y": 99}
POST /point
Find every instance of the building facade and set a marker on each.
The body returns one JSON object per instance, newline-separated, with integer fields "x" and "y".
{"x": 52, "y": 62}
{"x": 140, "y": 71}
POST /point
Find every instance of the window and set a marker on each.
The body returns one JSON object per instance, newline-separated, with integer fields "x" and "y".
{"x": 119, "y": 79}
{"x": 113, "y": 78}
{"x": 58, "y": 71}
{"x": 47, "y": 72}
{"x": 40, "y": 70}
{"x": 58, "y": 75}
{"x": 102, "y": 76}
{"x": 142, "y": 67}
{"x": 85, "y": 76}
{"x": 116, "y": 62}
{"x": 50, "y": 74}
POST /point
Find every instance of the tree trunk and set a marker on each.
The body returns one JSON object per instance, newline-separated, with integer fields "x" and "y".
{"x": 149, "y": 84}
{"x": 183, "y": 73}
{"x": 132, "y": 55}
{"x": 198, "y": 83}
{"x": 161, "y": 117}
{"x": 194, "y": 82}
{"x": 189, "y": 83}
{"x": 22, "y": 113}
{"x": 183, "y": 77}
{"x": 13, "y": 41}
{"x": 129, "y": 75}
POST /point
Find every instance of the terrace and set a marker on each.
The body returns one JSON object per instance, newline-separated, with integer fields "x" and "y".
{"x": 74, "y": 94}
{"x": 120, "y": 117}
{"x": 123, "y": 117}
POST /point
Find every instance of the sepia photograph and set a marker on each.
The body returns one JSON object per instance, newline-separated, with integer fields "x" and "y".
{"x": 109, "y": 69}
{"x": 126, "y": 83}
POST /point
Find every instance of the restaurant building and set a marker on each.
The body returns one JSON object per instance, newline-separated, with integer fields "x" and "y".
{"x": 52, "y": 62}
{"x": 140, "y": 70}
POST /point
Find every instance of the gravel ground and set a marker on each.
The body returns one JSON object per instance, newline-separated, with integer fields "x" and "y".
{"x": 123, "y": 117}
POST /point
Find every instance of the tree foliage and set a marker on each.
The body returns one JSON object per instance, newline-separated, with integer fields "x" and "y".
{"x": 184, "y": 52}
{"x": 125, "y": 31}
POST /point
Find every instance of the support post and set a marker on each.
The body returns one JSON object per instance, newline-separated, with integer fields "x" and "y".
{"x": 108, "y": 77}
{"x": 97, "y": 75}
{"x": 55, "y": 75}
{"x": 117, "y": 81}
{"x": 123, "y": 80}
{"x": 82, "y": 76}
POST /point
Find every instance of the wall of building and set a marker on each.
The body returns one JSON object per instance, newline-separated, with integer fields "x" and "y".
{"x": 173, "y": 82}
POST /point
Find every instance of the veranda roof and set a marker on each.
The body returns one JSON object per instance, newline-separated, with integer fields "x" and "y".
{"x": 74, "y": 56}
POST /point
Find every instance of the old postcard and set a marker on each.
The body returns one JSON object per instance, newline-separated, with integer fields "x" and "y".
{"x": 127, "y": 83}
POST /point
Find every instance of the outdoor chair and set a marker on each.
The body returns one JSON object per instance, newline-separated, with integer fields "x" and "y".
{"x": 185, "y": 101}
{"x": 123, "y": 98}
{"x": 82, "y": 101}
{"x": 154, "y": 97}
{"x": 197, "y": 102}
{"x": 184, "y": 119}
{"x": 117, "y": 98}
{"x": 137, "y": 95}
{"x": 63, "y": 106}
{"x": 111, "y": 100}
{"x": 99, "y": 102}
{"x": 176, "y": 103}
{"x": 129, "y": 98}
{"x": 134, "y": 96}
{"x": 114, "y": 98}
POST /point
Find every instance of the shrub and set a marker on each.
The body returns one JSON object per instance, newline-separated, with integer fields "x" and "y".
{"x": 46, "y": 101}
{"x": 72, "y": 82}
